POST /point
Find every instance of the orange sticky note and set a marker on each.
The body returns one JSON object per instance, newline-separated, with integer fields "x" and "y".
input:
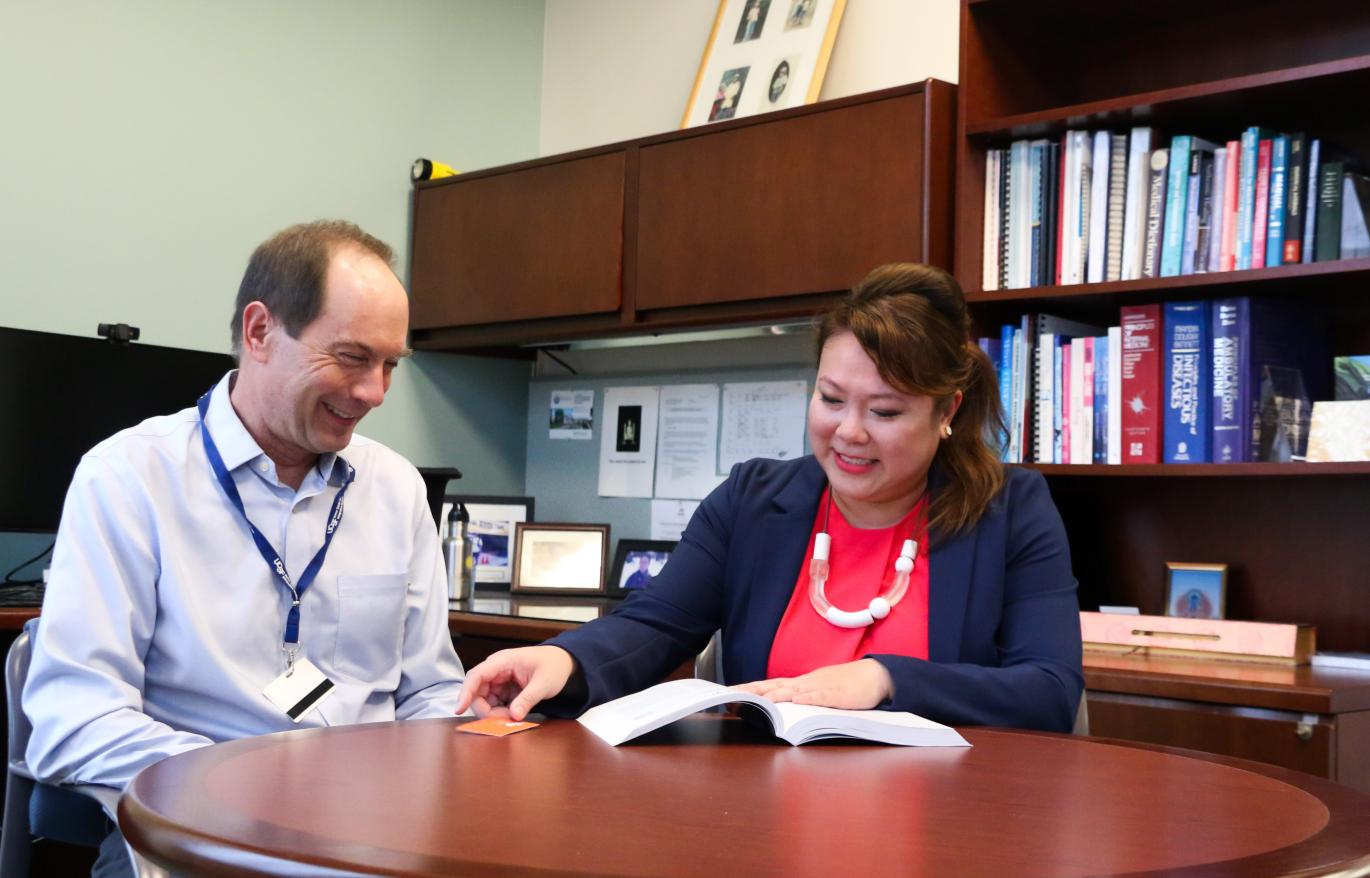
{"x": 496, "y": 726}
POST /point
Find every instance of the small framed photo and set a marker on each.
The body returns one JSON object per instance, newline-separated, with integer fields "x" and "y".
{"x": 763, "y": 55}
{"x": 559, "y": 559}
{"x": 636, "y": 564}
{"x": 1196, "y": 591}
{"x": 492, "y": 531}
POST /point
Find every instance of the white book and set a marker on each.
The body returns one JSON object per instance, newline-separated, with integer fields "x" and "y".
{"x": 1069, "y": 209}
{"x": 1350, "y": 661}
{"x": 632, "y": 715}
{"x": 1098, "y": 208}
{"x": 1020, "y": 217}
{"x": 990, "y": 279}
{"x": 1084, "y": 208}
{"x": 1218, "y": 215}
{"x": 1134, "y": 209}
{"x": 1044, "y": 432}
{"x": 1115, "y": 394}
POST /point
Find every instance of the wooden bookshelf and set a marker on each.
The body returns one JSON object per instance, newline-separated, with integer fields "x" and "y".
{"x": 1296, "y": 537}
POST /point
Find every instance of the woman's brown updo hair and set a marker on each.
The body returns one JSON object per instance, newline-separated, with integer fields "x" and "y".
{"x": 911, "y": 320}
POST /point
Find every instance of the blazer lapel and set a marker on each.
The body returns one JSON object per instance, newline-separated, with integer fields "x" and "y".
{"x": 950, "y": 567}
{"x": 782, "y": 540}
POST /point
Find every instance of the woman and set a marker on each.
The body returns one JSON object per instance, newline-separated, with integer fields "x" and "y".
{"x": 978, "y": 625}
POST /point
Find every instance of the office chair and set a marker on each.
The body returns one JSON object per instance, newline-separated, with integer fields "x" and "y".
{"x": 33, "y": 809}
{"x": 709, "y": 666}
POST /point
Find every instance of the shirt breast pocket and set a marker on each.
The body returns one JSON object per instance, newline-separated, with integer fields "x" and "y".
{"x": 371, "y": 628}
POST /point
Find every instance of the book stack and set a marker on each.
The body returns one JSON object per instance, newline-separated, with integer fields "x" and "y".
{"x": 1098, "y": 206}
{"x": 1173, "y": 383}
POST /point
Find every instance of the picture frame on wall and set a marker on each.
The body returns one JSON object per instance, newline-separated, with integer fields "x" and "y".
{"x": 1196, "y": 591}
{"x": 560, "y": 559}
{"x": 491, "y": 530}
{"x": 763, "y": 55}
{"x": 636, "y": 564}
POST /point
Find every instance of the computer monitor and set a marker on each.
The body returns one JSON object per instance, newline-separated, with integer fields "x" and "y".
{"x": 62, "y": 394}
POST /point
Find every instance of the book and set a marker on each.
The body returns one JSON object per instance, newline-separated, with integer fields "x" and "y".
{"x": 1294, "y": 204}
{"x": 1115, "y": 394}
{"x": 1227, "y": 254}
{"x": 1246, "y": 194}
{"x": 1140, "y": 378}
{"x": 1327, "y": 238}
{"x": 1135, "y": 202}
{"x": 1211, "y": 249}
{"x": 1347, "y": 661}
{"x": 1117, "y": 193}
{"x": 1155, "y": 212}
{"x": 1176, "y": 202}
{"x": 1051, "y": 220}
{"x": 632, "y": 715}
{"x": 1098, "y": 207}
{"x": 1310, "y": 208}
{"x": 1279, "y": 169}
{"x": 1193, "y": 192}
{"x": 1099, "y": 351}
{"x": 1261, "y": 207}
{"x": 1185, "y": 433}
{"x": 989, "y": 280}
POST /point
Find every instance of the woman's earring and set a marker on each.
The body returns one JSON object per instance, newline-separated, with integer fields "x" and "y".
{"x": 946, "y": 430}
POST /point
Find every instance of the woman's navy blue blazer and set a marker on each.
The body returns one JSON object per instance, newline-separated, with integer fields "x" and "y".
{"x": 1003, "y": 618}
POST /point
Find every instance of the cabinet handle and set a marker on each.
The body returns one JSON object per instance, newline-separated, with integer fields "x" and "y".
{"x": 1304, "y": 731}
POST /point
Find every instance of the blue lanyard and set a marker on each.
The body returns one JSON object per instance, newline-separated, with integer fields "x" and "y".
{"x": 269, "y": 554}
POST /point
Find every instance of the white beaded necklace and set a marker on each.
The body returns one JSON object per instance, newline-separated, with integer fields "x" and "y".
{"x": 880, "y": 605}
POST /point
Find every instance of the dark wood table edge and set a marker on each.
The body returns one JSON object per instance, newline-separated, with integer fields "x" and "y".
{"x": 1341, "y": 848}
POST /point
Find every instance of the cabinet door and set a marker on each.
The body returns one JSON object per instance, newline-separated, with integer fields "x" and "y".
{"x": 1291, "y": 740}
{"x": 802, "y": 204}
{"x": 522, "y": 244}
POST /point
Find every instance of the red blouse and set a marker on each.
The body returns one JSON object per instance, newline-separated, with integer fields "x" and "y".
{"x": 860, "y": 567}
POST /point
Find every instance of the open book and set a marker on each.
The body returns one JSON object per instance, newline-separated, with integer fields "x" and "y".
{"x": 625, "y": 718}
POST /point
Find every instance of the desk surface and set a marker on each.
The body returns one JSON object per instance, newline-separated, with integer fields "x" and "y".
{"x": 713, "y": 796}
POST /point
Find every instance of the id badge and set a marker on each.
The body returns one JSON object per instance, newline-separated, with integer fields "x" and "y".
{"x": 299, "y": 690}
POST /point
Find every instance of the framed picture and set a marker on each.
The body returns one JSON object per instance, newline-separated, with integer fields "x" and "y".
{"x": 636, "y": 564}
{"x": 559, "y": 558}
{"x": 763, "y": 55}
{"x": 1196, "y": 591}
{"x": 492, "y": 531}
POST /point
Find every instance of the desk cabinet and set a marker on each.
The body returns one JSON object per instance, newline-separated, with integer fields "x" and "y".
{"x": 765, "y": 218}
{"x": 1311, "y": 720}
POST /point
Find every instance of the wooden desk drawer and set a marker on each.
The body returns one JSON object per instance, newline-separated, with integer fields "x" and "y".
{"x": 1304, "y": 742}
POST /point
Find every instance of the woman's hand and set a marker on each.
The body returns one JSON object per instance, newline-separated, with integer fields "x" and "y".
{"x": 858, "y": 685}
{"x": 512, "y": 681}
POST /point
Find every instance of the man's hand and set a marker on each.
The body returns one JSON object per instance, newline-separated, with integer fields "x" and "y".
{"x": 512, "y": 681}
{"x": 858, "y": 685}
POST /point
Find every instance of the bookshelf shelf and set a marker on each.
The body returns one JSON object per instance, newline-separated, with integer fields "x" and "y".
{"x": 1218, "y": 105}
{"x": 1285, "y": 278}
{"x": 1203, "y": 470}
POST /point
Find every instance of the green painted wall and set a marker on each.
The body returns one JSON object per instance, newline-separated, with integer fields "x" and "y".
{"x": 146, "y": 146}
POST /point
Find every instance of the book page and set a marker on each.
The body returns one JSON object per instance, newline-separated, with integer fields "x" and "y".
{"x": 802, "y": 722}
{"x": 625, "y": 718}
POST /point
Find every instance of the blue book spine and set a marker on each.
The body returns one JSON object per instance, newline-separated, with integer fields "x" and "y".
{"x": 1187, "y": 398}
{"x": 1246, "y": 196}
{"x": 1279, "y": 176}
{"x": 1036, "y": 158}
{"x": 1101, "y": 400}
{"x": 1231, "y": 319}
{"x": 1058, "y": 452}
{"x": 1177, "y": 188}
{"x": 1006, "y": 376}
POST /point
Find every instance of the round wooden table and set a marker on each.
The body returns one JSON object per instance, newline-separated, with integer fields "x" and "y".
{"x": 713, "y": 796}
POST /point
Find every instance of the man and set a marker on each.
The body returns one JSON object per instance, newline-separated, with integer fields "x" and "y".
{"x": 206, "y": 568}
{"x": 642, "y": 576}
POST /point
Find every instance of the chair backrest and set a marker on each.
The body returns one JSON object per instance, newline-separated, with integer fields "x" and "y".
{"x": 709, "y": 662}
{"x": 16, "y": 671}
{"x": 1081, "y": 717}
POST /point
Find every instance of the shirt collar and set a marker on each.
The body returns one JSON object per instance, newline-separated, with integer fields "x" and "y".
{"x": 235, "y": 443}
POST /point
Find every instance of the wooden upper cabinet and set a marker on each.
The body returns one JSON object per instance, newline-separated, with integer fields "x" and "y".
{"x": 800, "y": 204}
{"x": 520, "y": 243}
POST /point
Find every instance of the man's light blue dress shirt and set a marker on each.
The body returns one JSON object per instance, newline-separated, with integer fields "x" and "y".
{"x": 162, "y": 623}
